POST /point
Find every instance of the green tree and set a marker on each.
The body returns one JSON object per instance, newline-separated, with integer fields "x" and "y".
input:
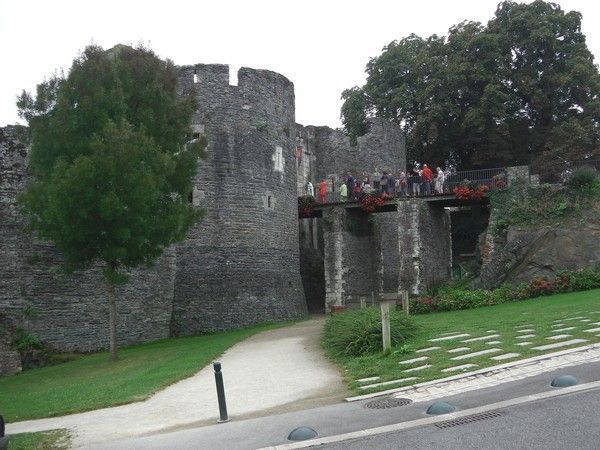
{"x": 112, "y": 163}
{"x": 523, "y": 89}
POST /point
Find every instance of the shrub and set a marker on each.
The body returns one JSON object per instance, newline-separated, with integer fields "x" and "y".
{"x": 358, "y": 332}
{"x": 583, "y": 280}
{"x": 455, "y": 298}
{"x": 582, "y": 177}
{"x": 31, "y": 349}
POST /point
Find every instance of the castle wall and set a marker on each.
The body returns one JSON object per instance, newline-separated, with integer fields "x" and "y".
{"x": 240, "y": 266}
{"x": 382, "y": 148}
{"x": 69, "y": 313}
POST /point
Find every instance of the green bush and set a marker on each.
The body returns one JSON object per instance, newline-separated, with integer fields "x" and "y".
{"x": 584, "y": 280}
{"x": 358, "y": 332}
{"x": 455, "y": 298}
{"x": 582, "y": 177}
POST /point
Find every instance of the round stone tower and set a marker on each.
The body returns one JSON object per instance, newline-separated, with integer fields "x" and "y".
{"x": 240, "y": 265}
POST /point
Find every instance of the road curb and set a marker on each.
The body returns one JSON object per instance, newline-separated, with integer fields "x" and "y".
{"x": 437, "y": 419}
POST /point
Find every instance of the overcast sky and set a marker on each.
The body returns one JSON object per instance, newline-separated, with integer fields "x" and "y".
{"x": 321, "y": 46}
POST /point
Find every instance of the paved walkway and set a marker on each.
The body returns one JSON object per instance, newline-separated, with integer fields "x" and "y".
{"x": 275, "y": 371}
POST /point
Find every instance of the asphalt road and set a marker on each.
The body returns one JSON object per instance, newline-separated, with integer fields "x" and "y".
{"x": 565, "y": 422}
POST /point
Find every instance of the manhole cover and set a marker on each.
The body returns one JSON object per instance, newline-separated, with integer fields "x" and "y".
{"x": 385, "y": 403}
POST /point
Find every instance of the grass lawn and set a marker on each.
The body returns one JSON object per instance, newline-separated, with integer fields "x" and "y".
{"x": 44, "y": 440}
{"x": 502, "y": 326}
{"x": 92, "y": 382}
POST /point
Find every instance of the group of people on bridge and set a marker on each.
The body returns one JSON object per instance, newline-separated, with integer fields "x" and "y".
{"x": 416, "y": 182}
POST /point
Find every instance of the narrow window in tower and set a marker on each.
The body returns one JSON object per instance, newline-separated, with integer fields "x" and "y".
{"x": 195, "y": 76}
{"x": 269, "y": 202}
{"x": 278, "y": 161}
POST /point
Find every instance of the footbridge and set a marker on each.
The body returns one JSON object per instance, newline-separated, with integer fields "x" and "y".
{"x": 405, "y": 243}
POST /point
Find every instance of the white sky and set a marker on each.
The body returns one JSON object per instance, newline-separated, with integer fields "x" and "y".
{"x": 321, "y": 46}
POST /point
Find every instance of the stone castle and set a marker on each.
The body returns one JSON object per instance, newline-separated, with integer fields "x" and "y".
{"x": 250, "y": 260}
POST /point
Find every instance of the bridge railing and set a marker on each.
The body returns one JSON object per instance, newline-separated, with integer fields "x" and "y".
{"x": 417, "y": 185}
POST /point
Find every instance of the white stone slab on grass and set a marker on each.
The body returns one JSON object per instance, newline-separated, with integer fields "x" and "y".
{"x": 559, "y": 336}
{"x": 459, "y": 349}
{"x": 523, "y": 344}
{"x": 462, "y": 367}
{"x": 525, "y": 330}
{"x": 366, "y": 380}
{"x": 575, "y": 318}
{"x": 428, "y": 349}
{"x": 387, "y": 383}
{"x": 415, "y": 369}
{"x": 491, "y": 331}
{"x": 525, "y": 336}
{"x": 482, "y": 338}
{"x": 505, "y": 356}
{"x": 585, "y": 320}
{"x": 479, "y": 353}
{"x": 559, "y": 344}
{"x": 558, "y": 330}
{"x": 559, "y": 325}
{"x": 414, "y": 360}
{"x": 523, "y": 326}
{"x": 493, "y": 342}
{"x": 592, "y": 330}
{"x": 446, "y": 338}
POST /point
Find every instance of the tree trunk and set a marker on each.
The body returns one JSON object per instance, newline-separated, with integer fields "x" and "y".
{"x": 112, "y": 319}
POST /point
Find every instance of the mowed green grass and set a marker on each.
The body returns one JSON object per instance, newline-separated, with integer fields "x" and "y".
{"x": 540, "y": 313}
{"x": 92, "y": 382}
{"x": 43, "y": 440}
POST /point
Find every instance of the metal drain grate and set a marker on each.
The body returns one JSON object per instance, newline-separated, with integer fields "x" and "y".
{"x": 469, "y": 419}
{"x": 385, "y": 403}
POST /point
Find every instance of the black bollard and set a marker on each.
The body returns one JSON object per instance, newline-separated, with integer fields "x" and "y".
{"x": 220, "y": 393}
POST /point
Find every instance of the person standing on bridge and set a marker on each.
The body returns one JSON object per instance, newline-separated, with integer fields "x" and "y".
{"x": 366, "y": 184}
{"x": 310, "y": 189}
{"x": 415, "y": 180}
{"x": 427, "y": 179}
{"x": 350, "y": 185}
{"x": 383, "y": 182}
{"x": 402, "y": 185}
{"x": 439, "y": 181}
{"x": 343, "y": 193}
{"x": 323, "y": 191}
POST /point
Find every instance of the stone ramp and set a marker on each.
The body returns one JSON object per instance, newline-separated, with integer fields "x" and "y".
{"x": 274, "y": 371}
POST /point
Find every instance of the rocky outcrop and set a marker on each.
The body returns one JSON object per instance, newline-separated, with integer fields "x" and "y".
{"x": 524, "y": 253}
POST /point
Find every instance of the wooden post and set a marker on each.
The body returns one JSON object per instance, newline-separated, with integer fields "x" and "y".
{"x": 385, "y": 325}
{"x": 363, "y": 302}
{"x": 405, "y": 304}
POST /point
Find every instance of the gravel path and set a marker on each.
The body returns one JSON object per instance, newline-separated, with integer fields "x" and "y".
{"x": 275, "y": 371}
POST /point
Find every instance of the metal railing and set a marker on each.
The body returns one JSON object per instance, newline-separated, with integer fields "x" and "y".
{"x": 414, "y": 185}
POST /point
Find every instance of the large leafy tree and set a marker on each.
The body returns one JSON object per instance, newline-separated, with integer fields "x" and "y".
{"x": 112, "y": 163}
{"x": 523, "y": 89}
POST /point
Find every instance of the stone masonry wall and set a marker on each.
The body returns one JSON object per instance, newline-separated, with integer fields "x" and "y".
{"x": 424, "y": 245}
{"x": 350, "y": 257}
{"x": 382, "y": 148}
{"x": 240, "y": 266}
{"x": 69, "y": 313}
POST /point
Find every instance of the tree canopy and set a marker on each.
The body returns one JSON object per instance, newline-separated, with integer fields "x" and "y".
{"x": 522, "y": 89}
{"x": 112, "y": 160}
